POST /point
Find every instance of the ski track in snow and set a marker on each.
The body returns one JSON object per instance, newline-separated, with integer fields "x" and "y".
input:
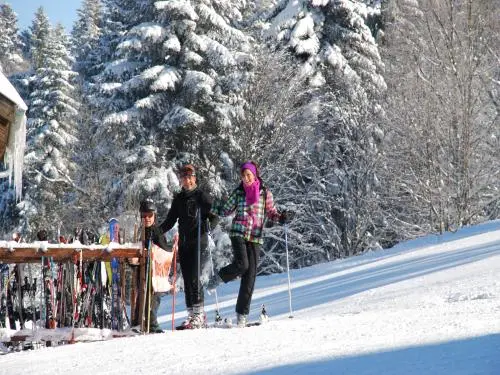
{"x": 420, "y": 308}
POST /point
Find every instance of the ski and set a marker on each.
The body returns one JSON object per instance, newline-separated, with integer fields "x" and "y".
{"x": 226, "y": 323}
{"x": 116, "y": 316}
{"x": 48, "y": 292}
{"x": 4, "y": 281}
{"x": 88, "y": 292}
{"x": 137, "y": 330}
{"x": 229, "y": 324}
{"x": 115, "y": 296}
{"x": 18, "y": 269}
{"x": 183, "y": 327}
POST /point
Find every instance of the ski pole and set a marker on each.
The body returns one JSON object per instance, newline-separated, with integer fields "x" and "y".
{"x": 42, "y": 295}
{"x": 147, "y": 294}
{"x": 198, "y": 254}
{"x": 174, "y": 261}
{"x": 288, "y": 271}
{"x": 145, "y": 291}
{"x": 73, "y": 300}
{"x": 143, "y": 277}
{"x": 217, "y": 315}
{"x": 150, "y": 286}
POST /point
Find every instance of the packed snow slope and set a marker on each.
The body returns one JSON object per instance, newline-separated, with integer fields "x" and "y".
{"x": 429, "y": 306}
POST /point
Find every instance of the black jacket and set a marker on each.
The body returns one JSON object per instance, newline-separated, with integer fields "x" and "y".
{"x": 184, "y": 209}
{"x": 154, "y": 233}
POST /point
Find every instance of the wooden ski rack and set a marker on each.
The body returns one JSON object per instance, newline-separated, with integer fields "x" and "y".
{"x": 14, "y": 252}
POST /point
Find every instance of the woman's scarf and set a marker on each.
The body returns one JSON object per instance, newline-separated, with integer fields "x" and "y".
{"x": 252, "y": 192}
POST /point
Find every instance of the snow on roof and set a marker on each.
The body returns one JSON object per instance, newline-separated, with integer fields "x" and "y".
{"x": 7, "y": 90}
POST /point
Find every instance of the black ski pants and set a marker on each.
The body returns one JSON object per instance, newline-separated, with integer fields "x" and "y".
{"x": 188, "y": 258}
{"x": 246, "y": 255}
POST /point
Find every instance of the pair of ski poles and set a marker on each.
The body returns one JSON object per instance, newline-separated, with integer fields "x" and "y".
{"x": 287, "y": 268}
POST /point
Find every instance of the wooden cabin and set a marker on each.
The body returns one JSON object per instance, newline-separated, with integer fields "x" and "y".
{"x": 7, "y": 113}
{"x": 12, "y": 134}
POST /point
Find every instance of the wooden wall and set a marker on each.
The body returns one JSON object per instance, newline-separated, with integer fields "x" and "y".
{"x": 7, "y": 112}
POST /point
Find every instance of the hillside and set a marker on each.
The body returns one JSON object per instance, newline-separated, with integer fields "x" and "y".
{"x": 430, "y": 306}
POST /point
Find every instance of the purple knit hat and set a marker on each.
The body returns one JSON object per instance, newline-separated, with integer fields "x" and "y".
{"x": 252, "y": 192}
{"x": 250, "y": 166}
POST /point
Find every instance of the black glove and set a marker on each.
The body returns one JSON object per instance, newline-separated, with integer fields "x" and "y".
{"x": 286, "y": 217}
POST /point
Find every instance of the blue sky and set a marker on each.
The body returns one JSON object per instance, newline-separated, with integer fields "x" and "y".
{"x": 58, "y": 11}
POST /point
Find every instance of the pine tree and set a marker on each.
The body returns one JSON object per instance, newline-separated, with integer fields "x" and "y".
{"x": 334, "y": 43}
{"x": 207, "y": 64}
{"x": 115, "y": 18}
{"x": 38, "y": 36}
{"x": 11, "y": 60}
{"x": 334, "y": 180}
{"x": 168, "y": 91}
{"x": 124, "y": 147}
{"x": 49, "y": 168}
{"x": 85, "y": 36}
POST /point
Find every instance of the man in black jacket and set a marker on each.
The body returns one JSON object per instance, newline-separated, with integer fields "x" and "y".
{"x": 191, "y": 209}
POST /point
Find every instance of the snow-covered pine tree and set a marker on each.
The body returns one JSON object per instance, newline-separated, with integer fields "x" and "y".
{"x": 99, "y": 29}
{"x": 130, "y": 164}
{"x": 37, "y": 32}
{"x": 170, "y": 90}
{"x": 115, "y": 18}
{"x": 208, "y": 62}
{"x": 85, "y": 36}
{"x": 93, "y": 36}
{"x": 37, "y": 37}
{"x": 337, "y": 172}
{"x": 49, "y": 166}
{"x": 334, "y": 43}
{"x": 11, "y": 60}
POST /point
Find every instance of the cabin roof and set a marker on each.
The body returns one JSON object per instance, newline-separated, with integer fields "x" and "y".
{"x": 7, "y": 90}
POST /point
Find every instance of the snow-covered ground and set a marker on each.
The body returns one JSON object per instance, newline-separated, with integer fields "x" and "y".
{"x": 429, "y": 306}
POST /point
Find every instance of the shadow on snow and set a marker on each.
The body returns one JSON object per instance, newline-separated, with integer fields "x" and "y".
{"x": 459, "y": 357}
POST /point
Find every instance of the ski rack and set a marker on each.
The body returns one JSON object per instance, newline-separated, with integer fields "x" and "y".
{"x": 14, "y": 252}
